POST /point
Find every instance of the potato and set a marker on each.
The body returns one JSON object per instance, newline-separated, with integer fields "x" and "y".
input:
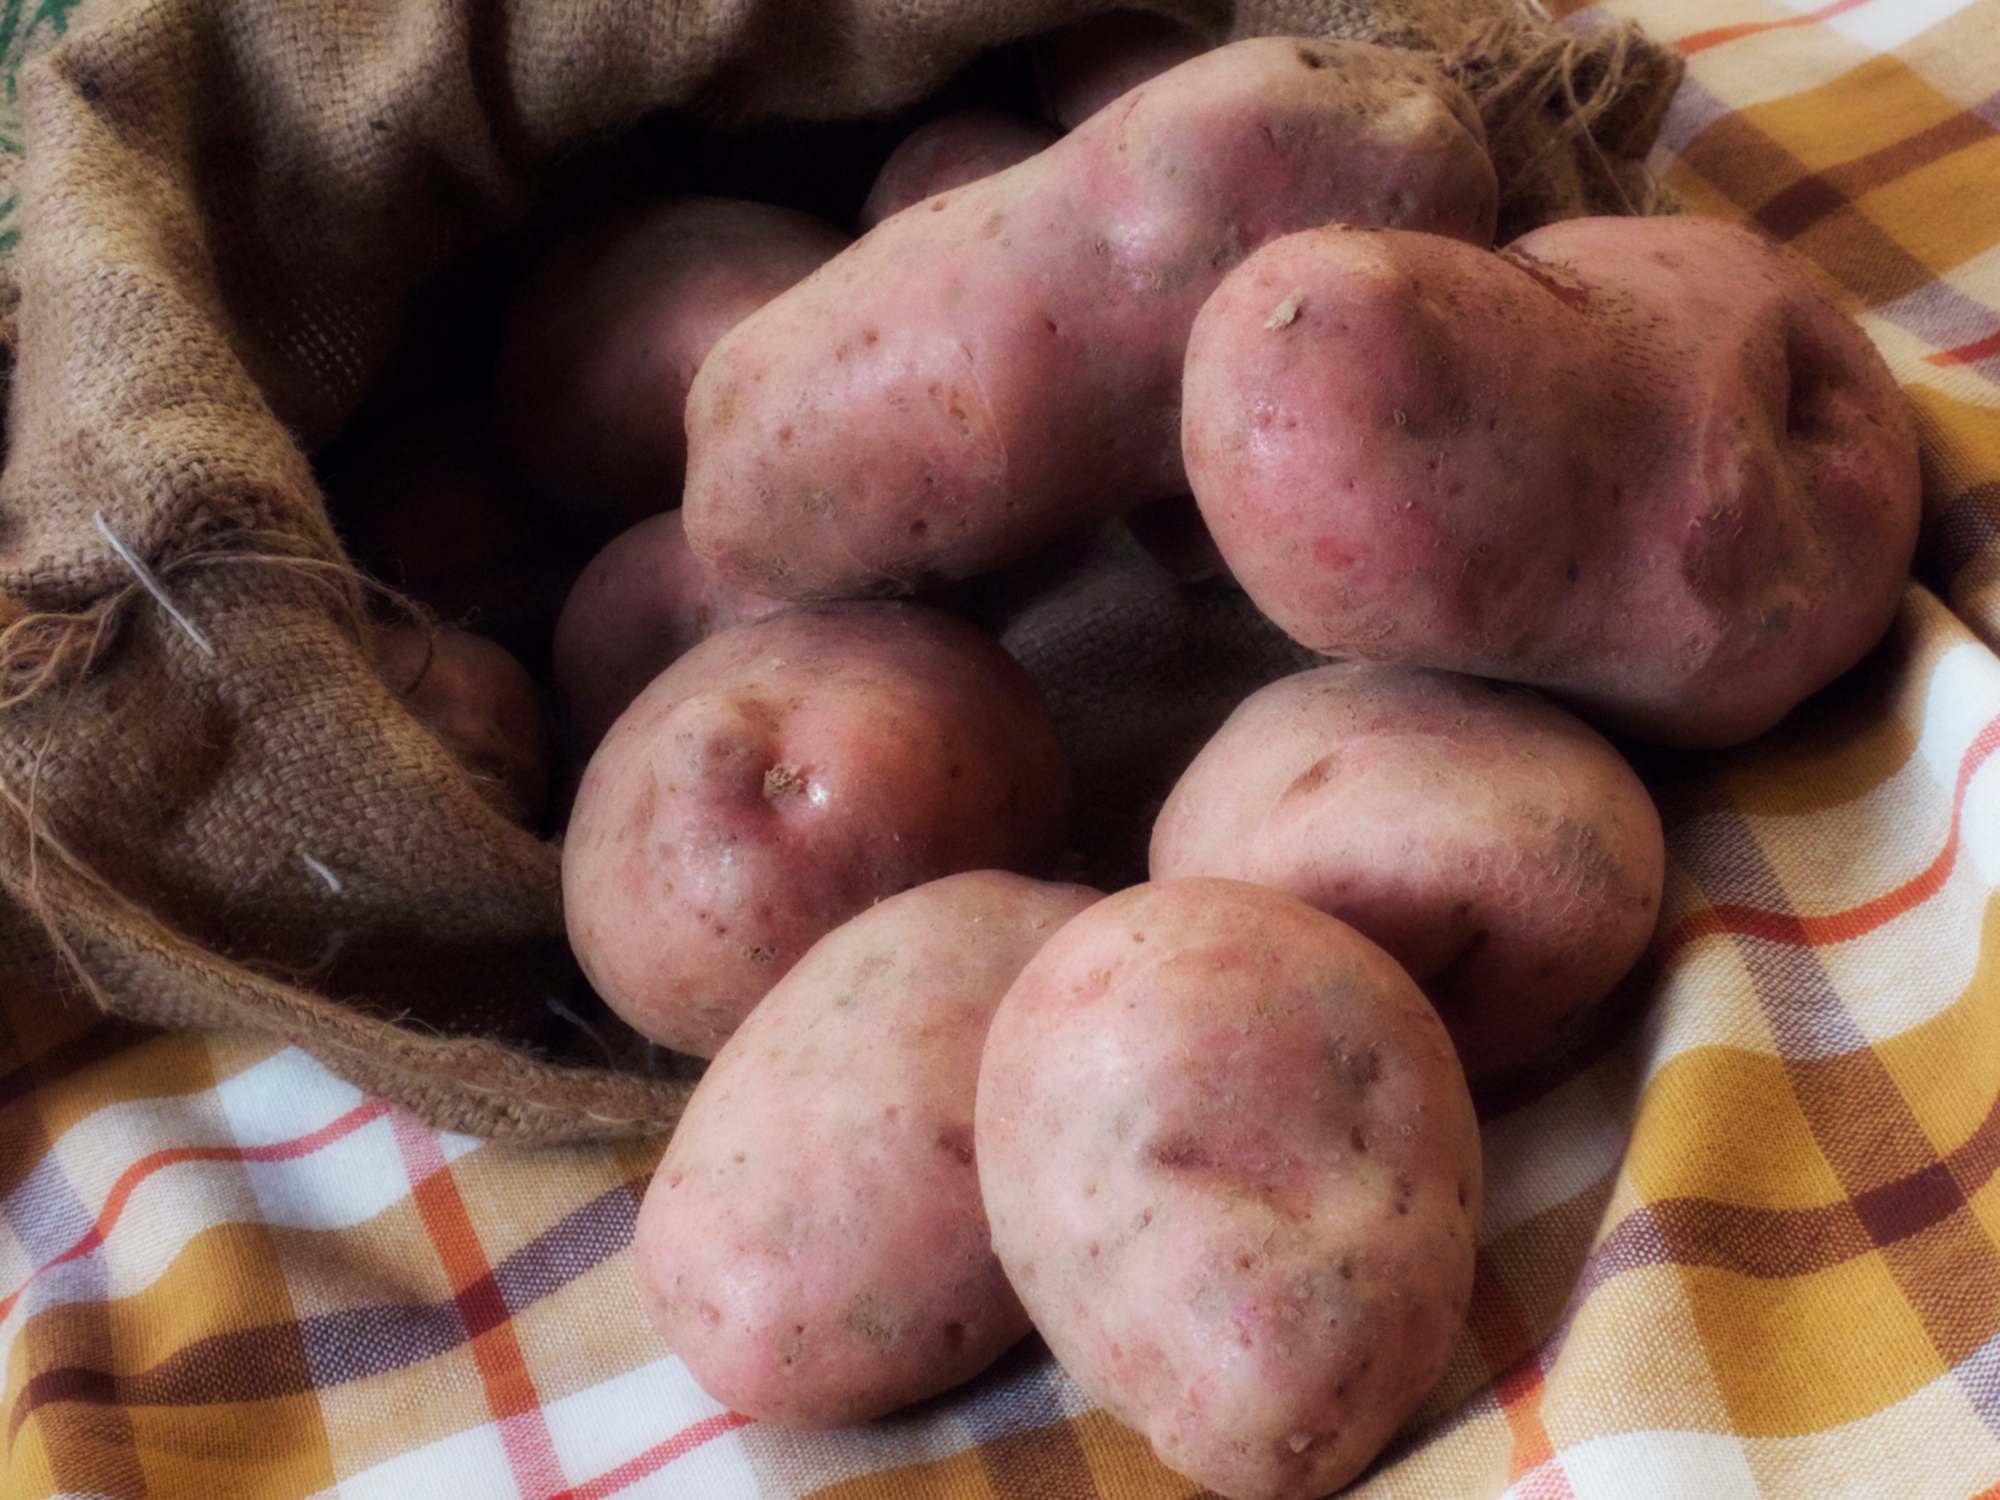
{"x": 425, "y": 504}
{"x": 1082, "y": 68}
{"x": 643, "y": 601}
{"x": 783, "y": 776}
{"x": 1500, "y": 850}
{"x": 813, "y": 1245}
{"x": 968, "y": 382}
{"x": 602, "y": 340}
{"x": 480, "y": 703}
{"x": 949, "y": 152}
{"x": 1233, "y": 1172}
{"x": 1641, "y": 463}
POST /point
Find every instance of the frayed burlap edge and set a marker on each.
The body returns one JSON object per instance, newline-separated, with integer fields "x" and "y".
{"x": 1569, "y": 117}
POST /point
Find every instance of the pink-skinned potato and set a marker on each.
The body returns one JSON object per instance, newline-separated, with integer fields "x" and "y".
{"x": 603, "y": 339}
{"x": 783, "y": 776}
{"x": 1500, "y": 849}
{"x": 1643, "y": 464}
{"x": 813, "y": 1245}
{"x": 642, "y": 602}
{"x": 976, "y": 377}
{"x": 949, "y": 152}
{"x": 481, "y": 704}
{"x": 1232, "y": 1170}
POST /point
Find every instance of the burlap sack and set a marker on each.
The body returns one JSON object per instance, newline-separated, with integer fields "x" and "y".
{"x": 210, "y": 809}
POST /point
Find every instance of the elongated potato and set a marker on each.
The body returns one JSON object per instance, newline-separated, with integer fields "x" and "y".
{"x": 603, "y": 340}
{"x": 1641, "y": 463}
{"x": 1500, "y": 849}
{"x": 813, "y": 1244}
{"x": 949, "y": 152}
{"x": 783, "y": 776}
{"x": 968, "y": 382}
{"x": 1232, "y": 1169}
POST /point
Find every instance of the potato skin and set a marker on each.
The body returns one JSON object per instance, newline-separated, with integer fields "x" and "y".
{"x": 783, "y": 776}
{"x": 813, "y": 1244}
{"x": 642, "y": 602}
{"x": 1641, "y": 463}
{"x": 1085, "y": 66}
{"x": 969, "y": 381}
{"x": 602, "y": 341}
{"x": 949, "y": 152}
{"x": 480, "y": 703}
{"x": 1498, "y": 848}
{"x": 1233, "y": 1172}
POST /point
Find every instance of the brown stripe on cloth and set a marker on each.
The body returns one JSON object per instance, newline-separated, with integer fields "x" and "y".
{"x": 87, "y": 1439}
{"x": 1797, "y": 208}
{"x": 253, "y": 1364}
{"x": 329, "y": 1349}
{"x": 1746, "y": 164}
{"x": 1902, "y": 1192}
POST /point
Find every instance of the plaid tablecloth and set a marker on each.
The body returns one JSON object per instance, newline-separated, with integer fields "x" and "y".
{"x": 1748, "y": 1246}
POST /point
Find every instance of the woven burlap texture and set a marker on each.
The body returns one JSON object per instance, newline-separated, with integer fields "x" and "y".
{"x": 224, "y": 819}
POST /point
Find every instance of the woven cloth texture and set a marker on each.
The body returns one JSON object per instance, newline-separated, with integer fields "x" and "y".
{"x": 1747, "y": 1245}
{"x": 219, "y": 814}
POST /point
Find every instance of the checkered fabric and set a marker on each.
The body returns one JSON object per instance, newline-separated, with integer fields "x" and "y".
{"x": 1748, "y": 1245}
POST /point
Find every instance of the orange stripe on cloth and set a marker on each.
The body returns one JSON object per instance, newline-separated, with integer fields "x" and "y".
{"x": 1507, "y": 1346}
{"x": 503, "y": 1369}
{"x": 1856, "y": 921}
{"x": 657, "y": 1457}
{"x": 1701, "y": 41}
{"x": 129, "y": 1180}
{"x": 1966, "y": 354}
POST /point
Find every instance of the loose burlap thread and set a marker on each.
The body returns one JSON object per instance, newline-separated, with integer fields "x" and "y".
{"x": 217, "y": 816}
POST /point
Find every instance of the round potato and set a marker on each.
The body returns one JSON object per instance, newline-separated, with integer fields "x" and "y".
{"x": 602, "y": 341}
{"x": 783, "y": 776}
{"x": 643, "y": 602}
{"x": 813, "y": 1244}
{"x": 1643, "y": 464}
{"x": 1500, "y": 849}
{"x": 1233, "y": 1172}
{"x": 966, "y": 383}
{"x": 480, "y": 703}
{"x": 949, "y": 152}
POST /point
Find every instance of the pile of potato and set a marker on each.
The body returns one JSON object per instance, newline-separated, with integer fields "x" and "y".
{"x": 1210, "y": 1135}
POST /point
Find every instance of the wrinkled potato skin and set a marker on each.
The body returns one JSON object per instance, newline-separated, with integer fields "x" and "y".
{"x": 813, "y": 1245}
{"x": 480, "y": 703}
{"x": 1641, "y": 463}
{"x": 1001, "y": 365}
{"x": 1500, "y": 850}
{"x": 783, "y": 776}
{"x": 1233, "y": 1172}
{"x": 949, "y": 152}
{"x": 643, "y": 601}
{"x": 603, "y": 339}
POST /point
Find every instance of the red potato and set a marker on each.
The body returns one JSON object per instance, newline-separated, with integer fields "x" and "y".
{"x": 969, "y": 382}
{"x": 1233, "y": 1172}
{"x": 643, "y": 602}
{"x": 480, "y": 703}
{"x": 1500, "y": 850}
{"x": 783, "y": 776}
{"x": 1641, "y": 463}
{"x": 949, "y": 152}
{"x": 603, "y": 339}
{"x": 813, "y": 1245}
{"x": 1084, "y": 67}
{"x": 426, "y": 506}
